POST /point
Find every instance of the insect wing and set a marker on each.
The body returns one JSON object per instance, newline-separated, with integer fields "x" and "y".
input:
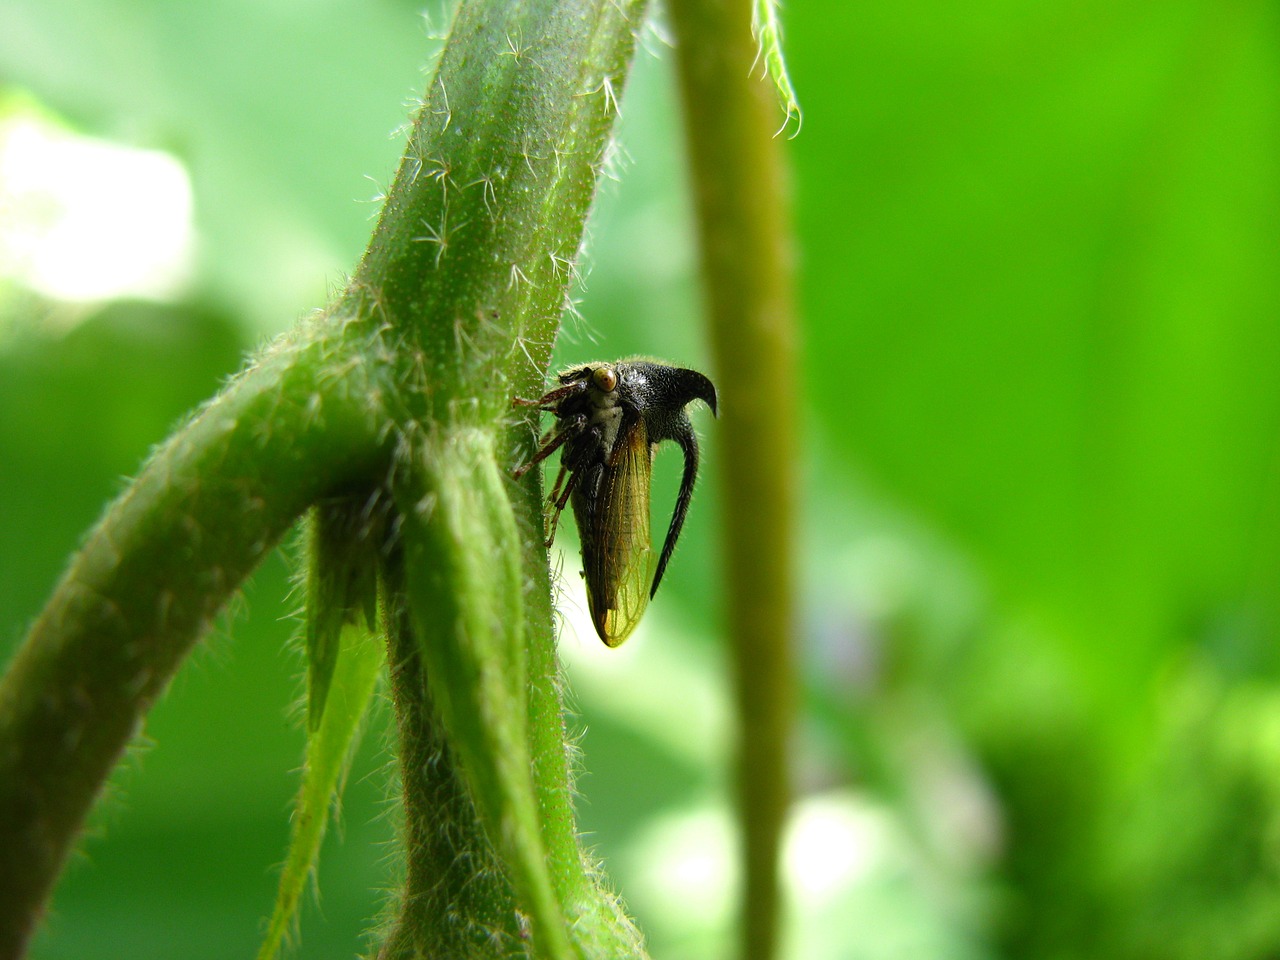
{"x": 613, "y": 522}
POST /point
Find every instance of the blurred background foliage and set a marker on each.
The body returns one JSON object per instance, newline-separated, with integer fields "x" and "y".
{"x": 1041, "y": 714}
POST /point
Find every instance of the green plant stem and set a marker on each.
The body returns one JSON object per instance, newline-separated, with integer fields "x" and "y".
{"x": 457, "y": 900}
{"x": 473, "y": 254}
{"x": 731, "y": 116}
{"x": 481, "y": 812}
{"x": 205, "y": 510}
{"x": 464, "y": 584}
{"x": 452, "y": 312}
{"x": 478, "y": 238}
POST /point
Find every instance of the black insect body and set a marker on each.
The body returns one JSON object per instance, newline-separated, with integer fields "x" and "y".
{"x": 610, "y": 418}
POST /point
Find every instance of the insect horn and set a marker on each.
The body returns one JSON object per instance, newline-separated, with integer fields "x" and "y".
{"x": 688, "y": 385}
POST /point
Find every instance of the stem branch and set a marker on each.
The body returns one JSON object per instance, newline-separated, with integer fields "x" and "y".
{"x": 160, "y": 564}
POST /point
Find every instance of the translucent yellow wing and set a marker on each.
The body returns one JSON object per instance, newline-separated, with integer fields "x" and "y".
{"x": 611, "y": 505}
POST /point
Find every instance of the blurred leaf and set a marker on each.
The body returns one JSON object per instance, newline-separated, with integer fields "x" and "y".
{"x": 1039, "y": 245}
{"x": 281, "y": 112}
{"x": 78, "y": 410}
{"x": 1044, "y": 306}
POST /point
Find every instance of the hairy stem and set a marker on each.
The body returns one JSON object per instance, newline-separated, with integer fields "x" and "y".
{"x": 206, "y": 508}
{"x": 405, "y": 388}
{"x": 731, "y": 116}
{"x": 464, "y": 905}
{"x": 470, "y": 265}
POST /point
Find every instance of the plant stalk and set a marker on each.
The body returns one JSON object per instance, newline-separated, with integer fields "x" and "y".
{"x": 452, "y": 311}
{"x": 731, "y": 117}
{"x": 204, "y": 511}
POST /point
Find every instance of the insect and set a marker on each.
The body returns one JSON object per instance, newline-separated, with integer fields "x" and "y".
{"x": 610, "y": 418}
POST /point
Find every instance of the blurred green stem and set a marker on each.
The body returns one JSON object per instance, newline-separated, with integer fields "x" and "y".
{"x": 731, "y": 117}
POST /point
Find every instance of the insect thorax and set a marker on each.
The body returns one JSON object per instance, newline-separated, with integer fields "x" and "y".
{"x": 605, "y": 420}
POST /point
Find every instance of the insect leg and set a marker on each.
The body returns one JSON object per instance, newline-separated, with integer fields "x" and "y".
{"x": 682, "y": 434}
{"x": 551, "y": 446}
{"x": 550, "y": 529}
{"x": 560, "y": 500}
{"x": 553, "y": 398}
{"x": 555, "y": 487}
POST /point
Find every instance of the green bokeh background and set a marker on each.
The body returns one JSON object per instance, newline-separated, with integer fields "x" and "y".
{"x": 1041, "y": 542}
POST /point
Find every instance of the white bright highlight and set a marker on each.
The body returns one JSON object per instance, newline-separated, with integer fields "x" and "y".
{"x": 85, "y": 220}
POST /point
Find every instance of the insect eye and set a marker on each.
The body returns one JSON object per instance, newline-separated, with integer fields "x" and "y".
{"x": 606, "y": 378}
